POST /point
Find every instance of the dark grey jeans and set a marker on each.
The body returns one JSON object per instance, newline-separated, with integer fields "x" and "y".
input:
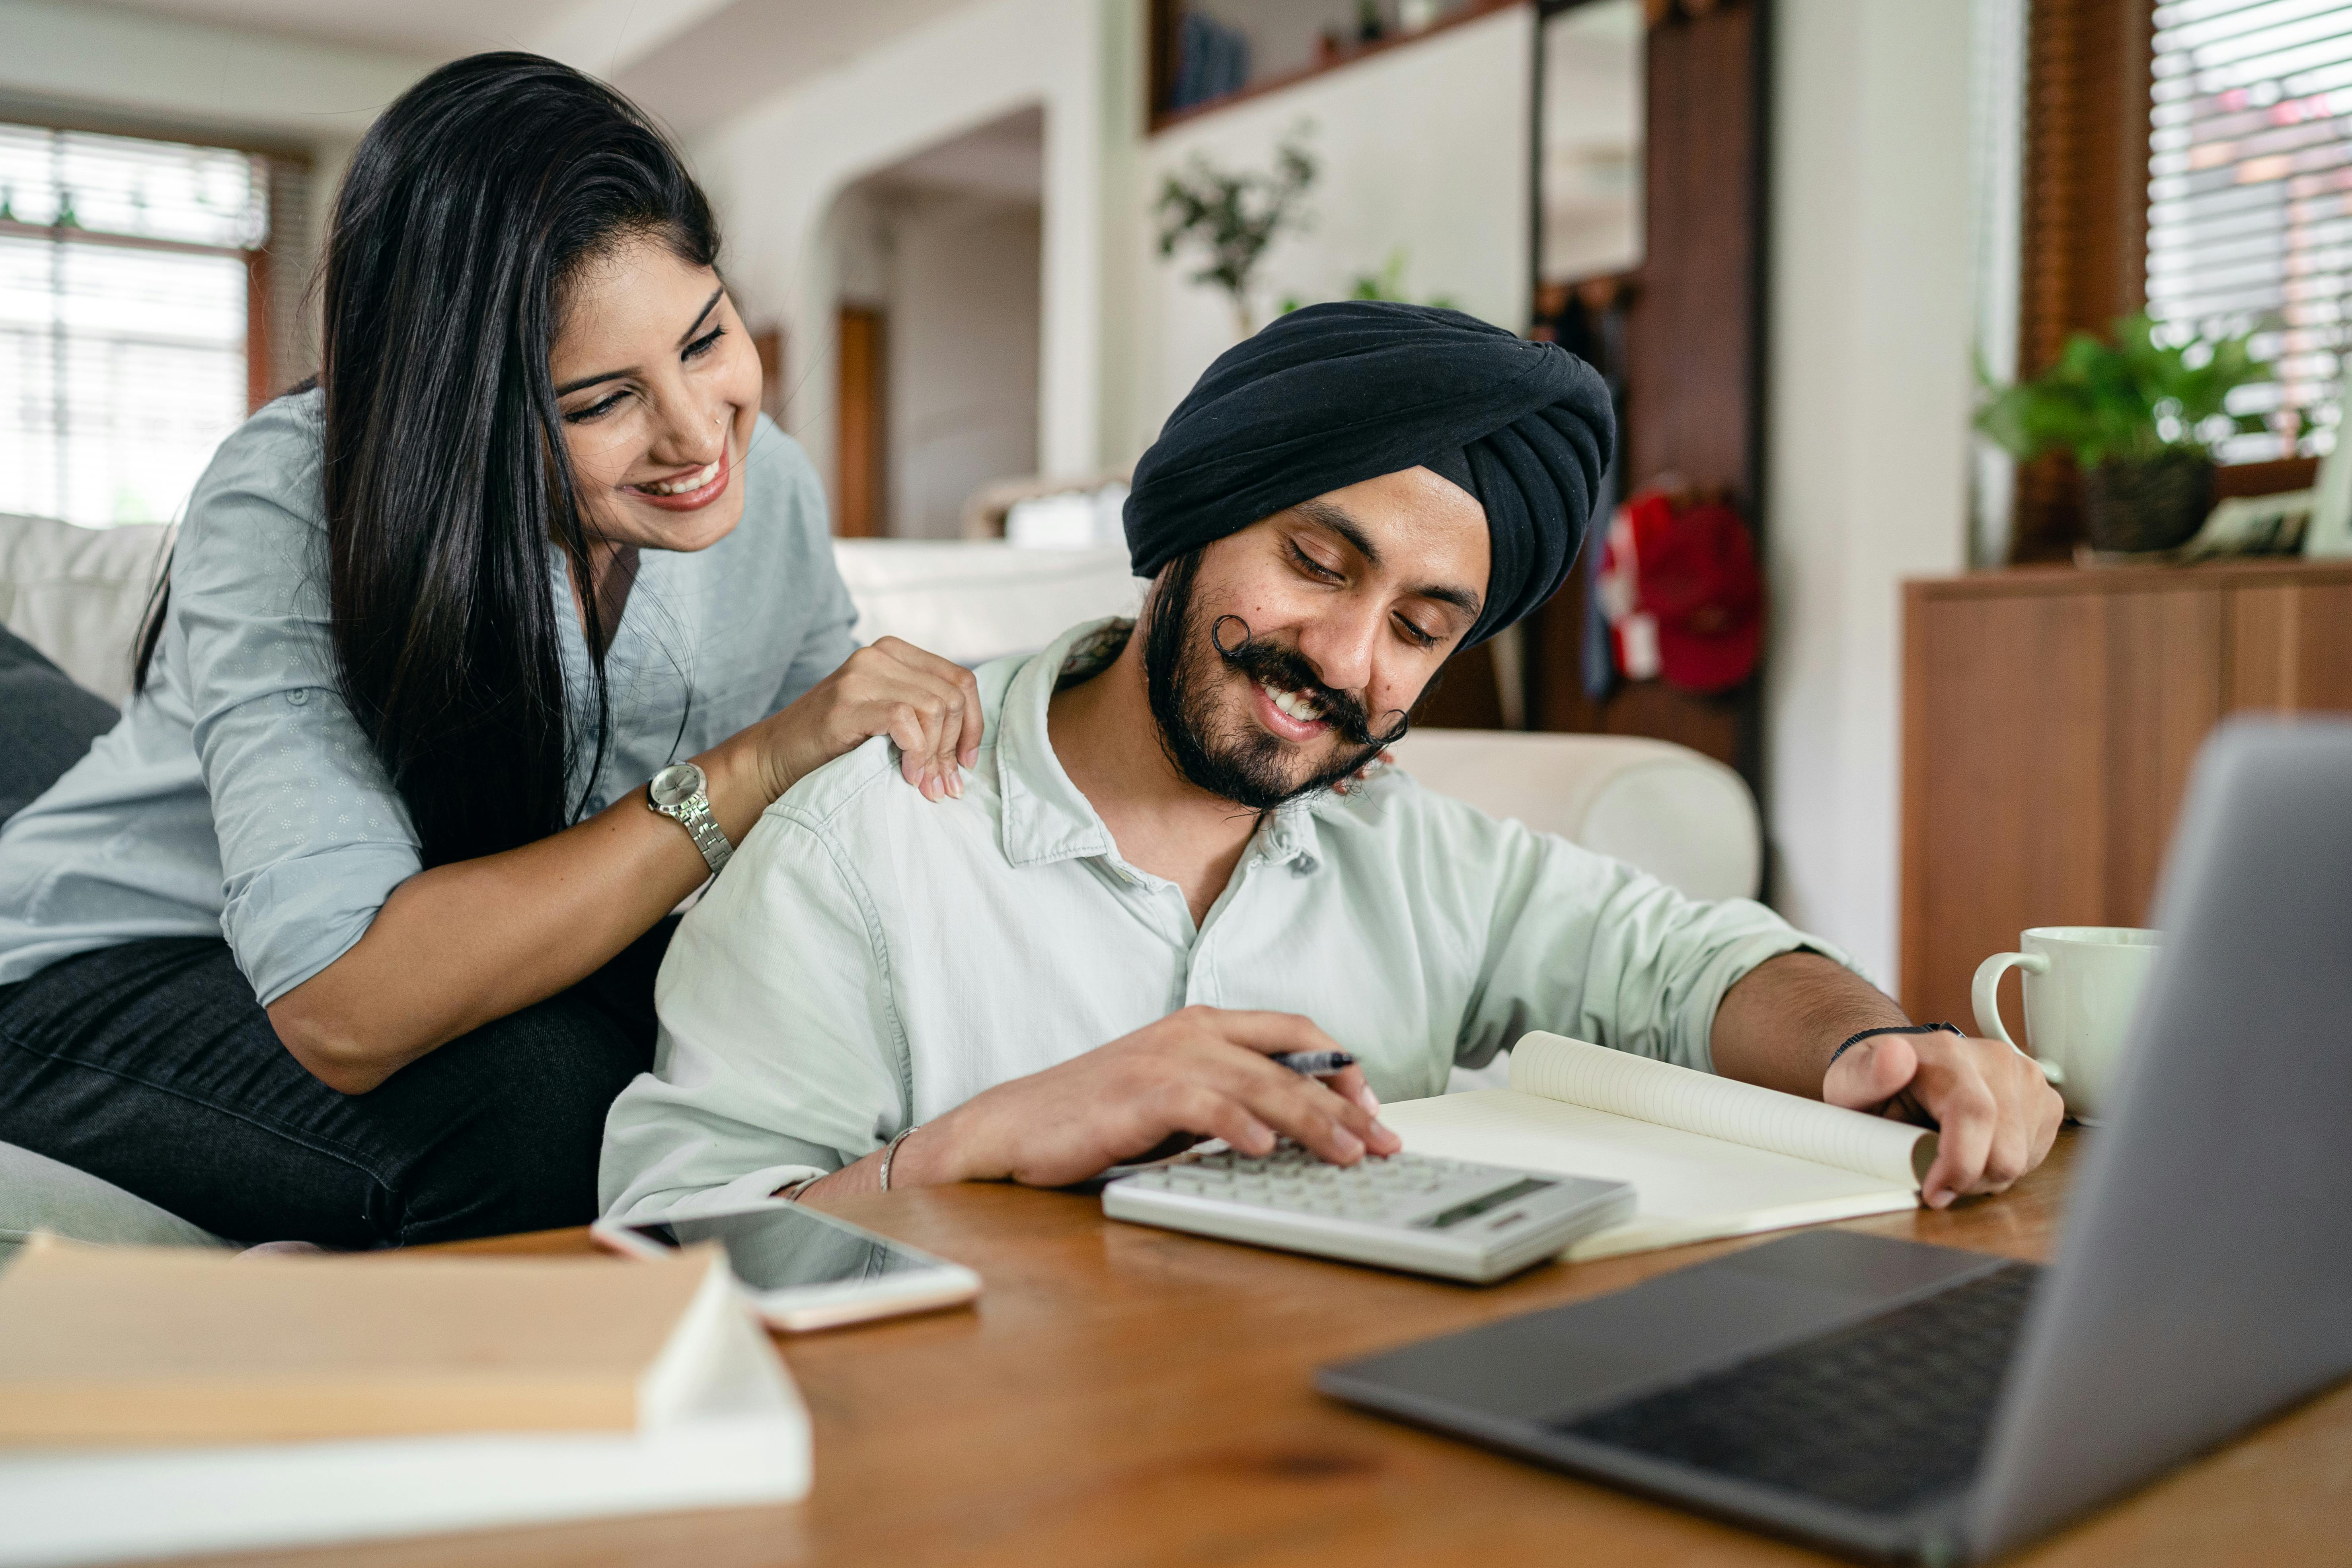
{"x": 151, "y": 1065}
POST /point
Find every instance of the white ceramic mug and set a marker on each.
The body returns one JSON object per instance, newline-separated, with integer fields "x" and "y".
{"x": 2082, "y": 983}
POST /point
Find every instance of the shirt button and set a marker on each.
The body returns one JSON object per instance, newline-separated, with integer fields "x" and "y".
{"x": 298, "y": 696}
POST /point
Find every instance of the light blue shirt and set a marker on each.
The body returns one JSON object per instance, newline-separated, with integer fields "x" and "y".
{"x": 869, "y": 961}
{"x": 239, "y": 797}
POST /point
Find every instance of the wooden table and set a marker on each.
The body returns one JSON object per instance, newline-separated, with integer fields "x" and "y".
{"x": 1134, "y": 1397}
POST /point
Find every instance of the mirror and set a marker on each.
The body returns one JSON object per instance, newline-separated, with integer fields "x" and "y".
{"x": 1589, "y": 111}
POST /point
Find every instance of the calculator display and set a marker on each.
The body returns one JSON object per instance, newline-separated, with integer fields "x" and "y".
{"x": 1485, "y": 1202}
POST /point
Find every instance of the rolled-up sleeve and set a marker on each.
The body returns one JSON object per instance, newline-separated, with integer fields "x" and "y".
{"x": 779, "y": 1055}
{"x": 1591, "y": 947}
{"x": 313, "y": 837}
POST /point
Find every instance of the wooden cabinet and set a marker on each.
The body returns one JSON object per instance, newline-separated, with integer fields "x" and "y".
{"x": 2050, "y": 717}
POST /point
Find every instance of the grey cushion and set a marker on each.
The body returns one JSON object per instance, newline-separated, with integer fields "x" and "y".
{"x": 49, "y": 722}
{"x": 38, "y": 1193}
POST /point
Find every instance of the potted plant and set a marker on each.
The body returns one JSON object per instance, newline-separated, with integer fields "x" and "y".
{"x": 2140, "y": 419}
{"x": 1233, "y": 219}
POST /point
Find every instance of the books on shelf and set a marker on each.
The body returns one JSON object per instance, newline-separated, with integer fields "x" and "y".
{"x": 157, "y": 1401}
{"x": 1708, "y": 1156}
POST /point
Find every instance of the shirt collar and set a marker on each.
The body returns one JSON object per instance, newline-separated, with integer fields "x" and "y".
{"x": 1046, "y": 817}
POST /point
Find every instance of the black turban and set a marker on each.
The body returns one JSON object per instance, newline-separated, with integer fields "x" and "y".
{"x": 1333, "y": 395}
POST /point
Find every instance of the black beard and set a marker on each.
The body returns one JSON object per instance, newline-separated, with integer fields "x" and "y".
{"x": 1181, "y": 659}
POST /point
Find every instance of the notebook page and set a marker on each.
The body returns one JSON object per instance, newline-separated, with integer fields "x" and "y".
{"x": 1687, "y": 1188}
{"x": 1557, "y": 1068}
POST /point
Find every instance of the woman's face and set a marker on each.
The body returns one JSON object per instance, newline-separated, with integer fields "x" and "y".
{"x": 658, "y": 385}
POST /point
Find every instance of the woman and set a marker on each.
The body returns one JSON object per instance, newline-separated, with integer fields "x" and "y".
{"x": 431, "y": 627}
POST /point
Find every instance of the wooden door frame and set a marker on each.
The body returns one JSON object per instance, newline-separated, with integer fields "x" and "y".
{"x": 861, "y": 420}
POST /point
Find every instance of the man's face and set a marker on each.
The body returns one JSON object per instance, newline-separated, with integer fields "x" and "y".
{"x": 1292, "y": 654}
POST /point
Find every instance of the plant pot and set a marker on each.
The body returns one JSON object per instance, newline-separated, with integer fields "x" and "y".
{"x": 2157, "y": 503}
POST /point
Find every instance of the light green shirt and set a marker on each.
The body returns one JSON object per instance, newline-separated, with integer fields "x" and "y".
{"x": 870, "y": 961}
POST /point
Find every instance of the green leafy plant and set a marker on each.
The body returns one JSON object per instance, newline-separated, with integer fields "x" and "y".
{"x": 1233, "y": 219}
{"x": 2134, "y": 400}
{"x": 1388, "y": 283}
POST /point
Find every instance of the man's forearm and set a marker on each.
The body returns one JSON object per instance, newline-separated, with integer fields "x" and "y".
{"x": 1779, "y": 1024}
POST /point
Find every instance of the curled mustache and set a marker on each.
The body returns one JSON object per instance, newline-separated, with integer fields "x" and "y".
{"x": 1287, "y": 670}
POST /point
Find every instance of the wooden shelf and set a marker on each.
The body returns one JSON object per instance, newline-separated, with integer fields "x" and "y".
{"x": 2051, "y": 717}
{"x": 1162, "y": 119}
{"x": 2016, "y": 581}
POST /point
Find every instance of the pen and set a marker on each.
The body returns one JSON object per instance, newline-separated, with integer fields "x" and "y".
{"x": 1313, "y": 1064}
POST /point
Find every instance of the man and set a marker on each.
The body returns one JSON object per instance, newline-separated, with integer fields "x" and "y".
{"x": 1159, "y": 872}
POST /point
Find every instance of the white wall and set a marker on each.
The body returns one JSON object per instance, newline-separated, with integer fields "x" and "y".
{"x": 176, "y": 75}
{"x": 1871, "y": 315}
{"x": 775, "y": 170}
{"x": 195, "y": 74}
{"x": 964, "y": 328}
{"x": 1423, "y": 147}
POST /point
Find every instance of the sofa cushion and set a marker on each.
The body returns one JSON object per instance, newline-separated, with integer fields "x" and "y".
{"x": 49, "y": 722}
{"x": 79, "y": 595}
{"x": 36, "y": 1193}
{"x": 973, "y": 601}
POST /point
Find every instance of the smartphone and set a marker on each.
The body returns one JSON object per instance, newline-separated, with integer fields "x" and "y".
{"x": 804, "y": 1269}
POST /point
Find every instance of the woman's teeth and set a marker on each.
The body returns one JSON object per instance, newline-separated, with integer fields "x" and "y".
{"x": 1301, "y": 707}
{"x": 693, "y": 482}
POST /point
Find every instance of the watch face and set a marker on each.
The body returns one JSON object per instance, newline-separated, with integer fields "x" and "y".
{"x": 677, "y": 783}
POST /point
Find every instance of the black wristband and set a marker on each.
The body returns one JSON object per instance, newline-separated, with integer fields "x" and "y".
{"x": 1856, "y": 1038}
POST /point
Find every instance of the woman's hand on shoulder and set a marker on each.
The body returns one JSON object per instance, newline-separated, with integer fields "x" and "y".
{"x": 927, "y": 705}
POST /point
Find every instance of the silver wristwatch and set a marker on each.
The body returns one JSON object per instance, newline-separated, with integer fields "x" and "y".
{"x": 676, "y": 793}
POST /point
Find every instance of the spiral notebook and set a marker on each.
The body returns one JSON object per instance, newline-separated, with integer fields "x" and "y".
{"x": 1708, "y": 1156}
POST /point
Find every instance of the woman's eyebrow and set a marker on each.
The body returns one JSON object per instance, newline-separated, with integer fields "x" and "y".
{"x": 686, "y": 337}
{"x": 701, "y": 316}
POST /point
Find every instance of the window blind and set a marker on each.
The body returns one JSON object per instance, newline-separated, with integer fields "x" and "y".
{"x": 2250, "y": 200}
{"x": 127, "y": 266}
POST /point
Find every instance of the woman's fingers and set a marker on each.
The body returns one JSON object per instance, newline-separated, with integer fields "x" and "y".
{"x": 928, "y": 706}
{"x": 903, "y": 722}
{"x": 896, "y": 689}
{"x": 961, "y": 690}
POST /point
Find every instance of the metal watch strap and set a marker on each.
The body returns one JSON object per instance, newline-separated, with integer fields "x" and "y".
{"x": 693, "y": 814}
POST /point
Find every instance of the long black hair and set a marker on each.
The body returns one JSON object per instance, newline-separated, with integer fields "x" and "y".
{"x": 468, "y": 209}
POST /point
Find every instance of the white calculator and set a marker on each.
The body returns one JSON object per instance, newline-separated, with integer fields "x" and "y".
{"x": 1448, "y": 1217}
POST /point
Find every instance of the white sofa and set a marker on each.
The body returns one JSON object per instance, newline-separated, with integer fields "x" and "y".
{"x": 78, "y": 594}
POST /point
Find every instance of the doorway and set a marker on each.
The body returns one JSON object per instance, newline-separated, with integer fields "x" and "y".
{"x": 938, "y": 263}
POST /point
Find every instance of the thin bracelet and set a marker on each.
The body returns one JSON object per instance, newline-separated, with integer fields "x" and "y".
{"x": 890, "y": 1152}
{"x": 1855, "y": 1039}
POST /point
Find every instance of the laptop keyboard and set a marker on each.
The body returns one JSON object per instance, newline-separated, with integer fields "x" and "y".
{"x": 1880, "y": 1416}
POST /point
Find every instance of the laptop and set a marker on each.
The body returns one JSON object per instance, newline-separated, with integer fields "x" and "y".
{"x": 1899, "y": 1401}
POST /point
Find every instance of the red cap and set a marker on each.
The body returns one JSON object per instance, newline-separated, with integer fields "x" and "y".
{"x": 1698, "y": 575}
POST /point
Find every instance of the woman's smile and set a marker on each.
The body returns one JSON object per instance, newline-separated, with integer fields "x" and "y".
{"x": 689, "y": 491}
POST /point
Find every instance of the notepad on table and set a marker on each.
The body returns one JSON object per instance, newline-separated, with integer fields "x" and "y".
{"x": 1708, "y": 1156}
{"x": 159, "y": 1401}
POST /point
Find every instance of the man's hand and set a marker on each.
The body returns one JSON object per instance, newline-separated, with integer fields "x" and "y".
{"x": 1201, "y": 1071}
{"x": 1996, "y": 1112}
{"x": 1780, "y": 1024}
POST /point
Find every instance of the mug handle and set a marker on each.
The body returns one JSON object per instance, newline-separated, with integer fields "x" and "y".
{"x": 1986, "y": 994}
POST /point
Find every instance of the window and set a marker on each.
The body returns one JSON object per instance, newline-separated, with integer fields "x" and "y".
{"x": 136, "y": 303}
{"x": 2250, "y": 198}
